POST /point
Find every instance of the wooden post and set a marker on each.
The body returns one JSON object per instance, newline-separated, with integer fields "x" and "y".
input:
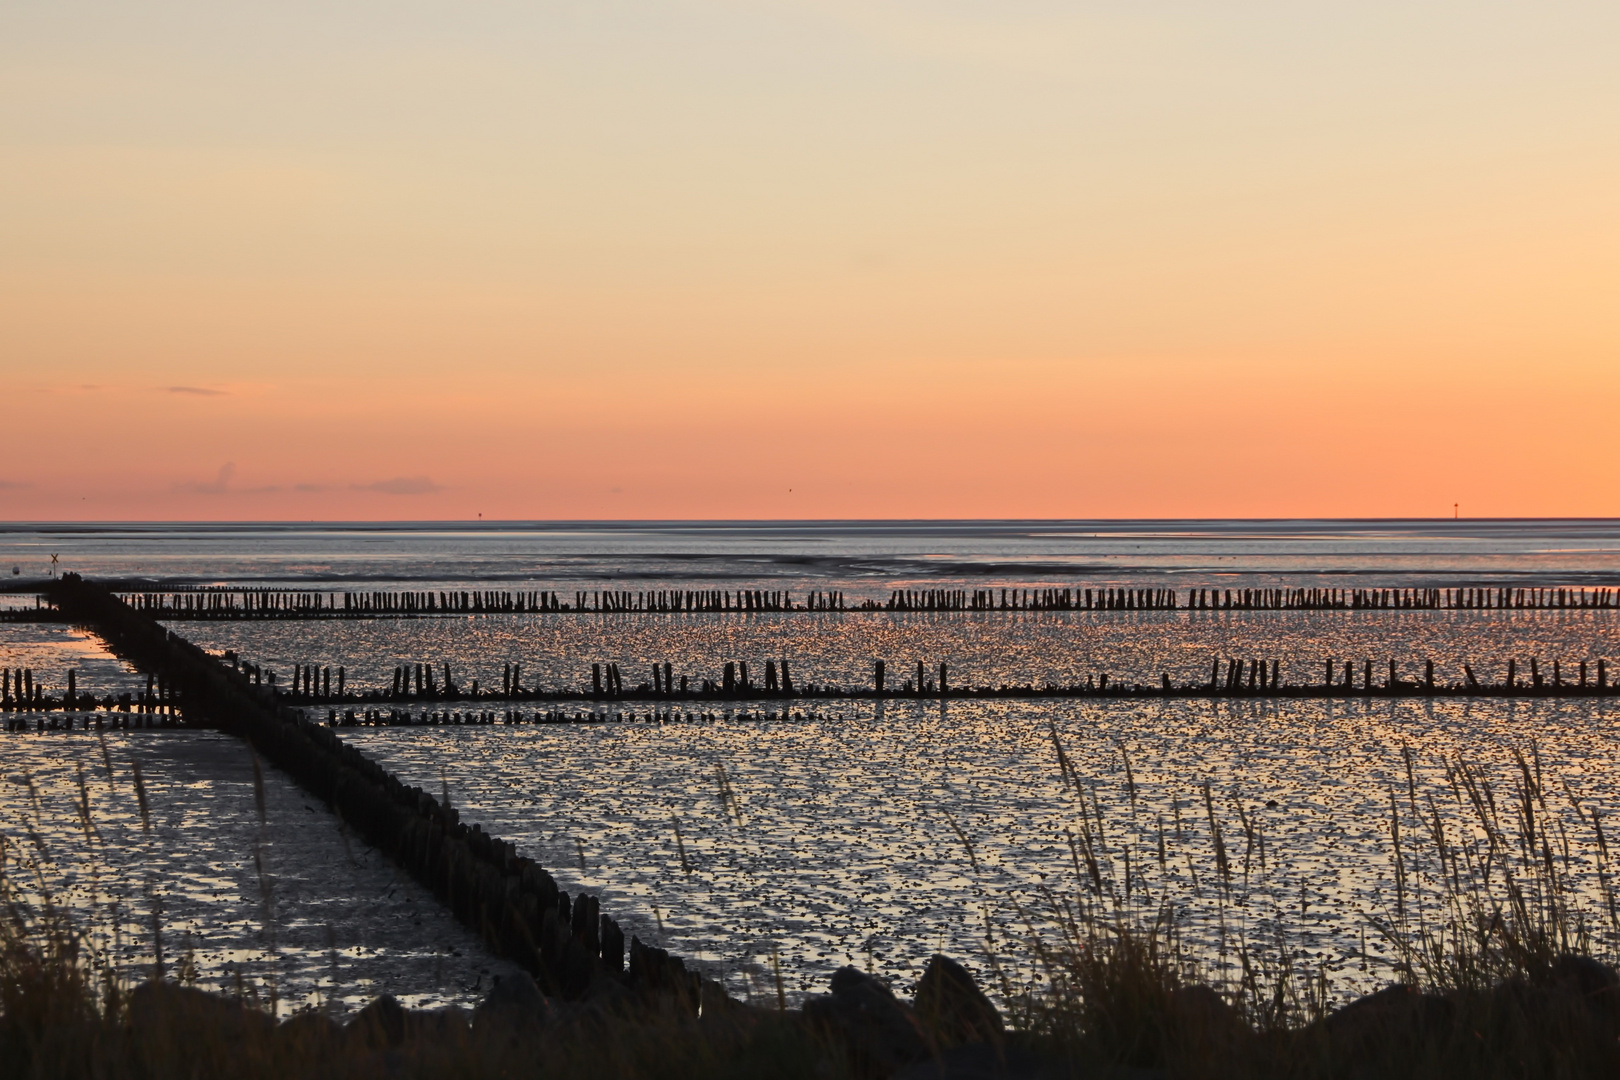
{"x": 943, "y": 679}
{"x": 877, "y": 677}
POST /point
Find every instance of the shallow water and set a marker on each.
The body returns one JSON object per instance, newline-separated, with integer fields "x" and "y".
{"x": 846, "y": 838}
{"x": 867, "y": 556}
{"x": 290, "y": 905}
{"x": 51, "y": 650}
{"x": 838, "y": 840}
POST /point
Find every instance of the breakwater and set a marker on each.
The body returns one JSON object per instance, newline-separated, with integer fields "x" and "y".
{"x": 315, "y": 684}
{"x": 565, "y": 941}
{"x": 227, "y": 603}
{"x": 323, "y": 685}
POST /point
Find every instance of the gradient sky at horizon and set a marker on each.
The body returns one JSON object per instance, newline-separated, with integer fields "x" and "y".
{"x": 807, "y": 258}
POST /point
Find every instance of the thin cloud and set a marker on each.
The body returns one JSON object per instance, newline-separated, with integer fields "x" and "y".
{"x": 199, "y": 391}
{"x": 13, "y": 485}
{"x": 402, "y": 485}
{"x": 309, "y": 488}
{"x": 226, "y": 471}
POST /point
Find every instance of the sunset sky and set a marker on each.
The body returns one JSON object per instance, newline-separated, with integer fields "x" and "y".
{"x": 808, "y": 258}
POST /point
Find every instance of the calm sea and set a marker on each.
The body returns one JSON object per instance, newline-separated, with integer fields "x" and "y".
{"x": 853, "y": 833}
{"x": 852, "y": 555}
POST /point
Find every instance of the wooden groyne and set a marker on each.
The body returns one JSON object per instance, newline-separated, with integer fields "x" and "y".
{"x": 565, "y": 941}
{"x": 223, "y": 603}
{"x": 301, "y": 604}
{"x": 419, "y": 684}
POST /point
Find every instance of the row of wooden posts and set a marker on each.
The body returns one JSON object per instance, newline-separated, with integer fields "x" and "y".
{"x": 484, "y": 718}
{"x": 270, "y": 603}
{"x": 274, "y": 603}
{"x": 313, "y": 684}
{"x": 567, "y": 942}
{"x": 21, "y": 691}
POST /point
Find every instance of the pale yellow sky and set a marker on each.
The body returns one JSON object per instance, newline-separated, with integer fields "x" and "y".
{"x": 662, "y": 259}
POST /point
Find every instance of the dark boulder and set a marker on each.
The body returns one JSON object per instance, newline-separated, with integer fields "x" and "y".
{"x": 1198, "y": 1016}
{"x": 378, "y": 1026}
{"x": 881, "y": 1033}
{"x": 1396, "y": 1015}
{"x": 1589, "y": 978}
{"x": 982, "y": 1061}
{"x": 168, "y": 1010}
{"x": 513, "y": 1004}
{"x": 310, "y": 1031}
{"x": 951, "y": 1007}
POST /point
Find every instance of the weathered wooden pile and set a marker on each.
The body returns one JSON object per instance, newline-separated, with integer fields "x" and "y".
{"x": 224, "y": 603}
{"x": 566, "y": 941}
{"x": 21, "y": 692}
{"x": 318, "y": 685}
{"x": 38, "y": 611}
{"x": 312, "y": 685}
{"x": 289, "y": 604}
{"x": 484, "y": 718}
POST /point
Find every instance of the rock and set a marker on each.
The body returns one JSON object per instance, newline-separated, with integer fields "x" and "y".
{"x": 951, "y": 1007}
{"x": 443, "y": 1027}
{"x": 982, "y": 1061}
{"x": 1396, "y": 1013}
{"x": 310, "y": 1031}
{"x": 378, "y": 1026}
{"x": 514, "y": 1003}
{"x": 1587, "y": 977}
{"x": 158, "y": 1009}
{"x": 1198, "y": 1016}
{"x": 882, "y": 1033}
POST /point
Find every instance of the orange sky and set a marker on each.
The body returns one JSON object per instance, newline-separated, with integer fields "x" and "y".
{"x": 807, "y": 259}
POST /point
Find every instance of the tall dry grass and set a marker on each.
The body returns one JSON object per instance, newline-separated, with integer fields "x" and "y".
{"x": 1497, "y": 912}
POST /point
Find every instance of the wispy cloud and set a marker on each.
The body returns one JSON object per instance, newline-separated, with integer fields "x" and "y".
{"x": 13, "y": 485}
{"x": 402, "y": 485}
{"x": 199, "y": 391}
{"x": 217, "y": 487}
{"x": 311, "y": 488}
